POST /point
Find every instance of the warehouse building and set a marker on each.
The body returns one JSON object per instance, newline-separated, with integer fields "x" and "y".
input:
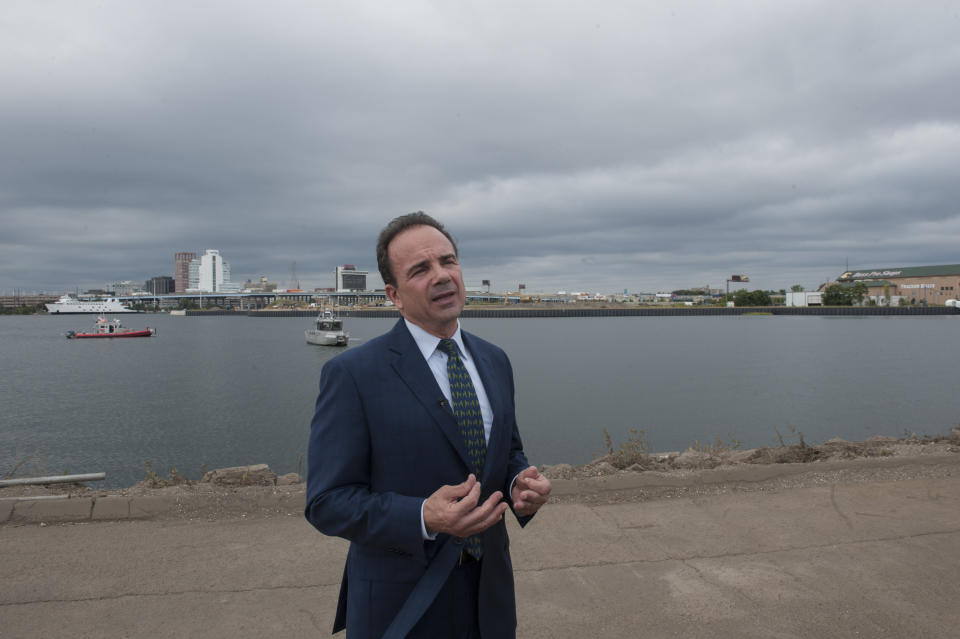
{"x": 927, "y": 285}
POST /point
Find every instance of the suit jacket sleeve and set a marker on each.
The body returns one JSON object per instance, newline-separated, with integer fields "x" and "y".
{"x": 340, "y": 501}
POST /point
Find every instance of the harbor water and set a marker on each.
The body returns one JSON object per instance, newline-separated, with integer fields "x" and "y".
{"x": 210, "y": 392}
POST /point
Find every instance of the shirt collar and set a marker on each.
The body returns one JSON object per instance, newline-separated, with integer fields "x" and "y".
{"x": 427, "y": 343}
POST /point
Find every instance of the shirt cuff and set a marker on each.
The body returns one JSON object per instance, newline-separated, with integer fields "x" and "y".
{"x": 423, "y": 527}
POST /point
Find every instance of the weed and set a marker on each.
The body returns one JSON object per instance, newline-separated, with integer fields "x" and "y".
{"x": 801, "y": 452}
{"x": 154, "y": 480}
{"x": 719, "y": 447}
{"x": 632, "y": 451}
{"x": 794, "y": 433}
{"x": 22, "y": 462}
{"x": 152, "y": 477}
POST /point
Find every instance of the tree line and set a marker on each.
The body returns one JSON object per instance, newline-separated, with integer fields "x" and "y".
{"x": 833, "y": 295}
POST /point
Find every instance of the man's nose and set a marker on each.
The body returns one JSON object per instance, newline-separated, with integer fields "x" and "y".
{"x": 439, "y": 274}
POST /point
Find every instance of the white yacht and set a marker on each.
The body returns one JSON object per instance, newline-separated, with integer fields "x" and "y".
{"x": 328, "y": 332}
{"x": 69, "y": 304}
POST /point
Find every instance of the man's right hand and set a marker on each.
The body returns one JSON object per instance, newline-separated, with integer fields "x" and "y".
{"x": 453, "y": 509}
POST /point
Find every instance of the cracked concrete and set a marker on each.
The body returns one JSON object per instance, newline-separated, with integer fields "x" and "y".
{"x": 871, "y": 558}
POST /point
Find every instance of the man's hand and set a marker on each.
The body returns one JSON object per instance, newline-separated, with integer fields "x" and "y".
{"x": 530, "y": 491}
{"x": 453, "y": 509}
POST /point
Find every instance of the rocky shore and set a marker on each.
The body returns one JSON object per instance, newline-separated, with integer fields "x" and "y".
{"x": 627, "y": 474}
{"x": 630, "y": 458}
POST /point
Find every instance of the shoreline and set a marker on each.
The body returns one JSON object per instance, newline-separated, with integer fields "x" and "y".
{"x": 256, "y": 492}
{"x": 571, "y": 311}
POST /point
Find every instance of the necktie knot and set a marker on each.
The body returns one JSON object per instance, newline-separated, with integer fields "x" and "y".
{"x": 449, "y": 347}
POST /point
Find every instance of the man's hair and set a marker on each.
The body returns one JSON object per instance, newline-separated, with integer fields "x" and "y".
{"x": 396, "y": 226}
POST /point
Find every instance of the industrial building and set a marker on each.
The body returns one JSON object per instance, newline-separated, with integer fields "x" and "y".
{"x": 926, "y": 285}
{"x": 349, "y": 279}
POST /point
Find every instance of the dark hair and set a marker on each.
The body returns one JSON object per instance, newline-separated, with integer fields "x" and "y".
{"x": 396, "y": 226}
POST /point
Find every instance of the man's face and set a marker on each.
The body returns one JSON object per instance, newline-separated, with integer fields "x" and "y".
{"x": 429, "y": 290}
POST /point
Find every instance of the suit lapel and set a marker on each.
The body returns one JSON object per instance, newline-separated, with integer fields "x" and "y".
{"x": 409, "y": 364}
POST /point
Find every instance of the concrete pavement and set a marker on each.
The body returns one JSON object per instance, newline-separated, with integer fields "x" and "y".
{"x": 825, "y": 554}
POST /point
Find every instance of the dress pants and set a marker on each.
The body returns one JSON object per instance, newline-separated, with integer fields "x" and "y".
{"x": 453, "y": 613}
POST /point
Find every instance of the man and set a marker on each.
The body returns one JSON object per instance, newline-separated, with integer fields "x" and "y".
{"x": 415, "y": 456}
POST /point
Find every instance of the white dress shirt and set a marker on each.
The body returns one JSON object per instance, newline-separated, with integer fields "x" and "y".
{"x": 437, "y": 361}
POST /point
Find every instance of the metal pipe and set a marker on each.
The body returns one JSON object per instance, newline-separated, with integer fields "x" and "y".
{"x": 53, "y": 479}
{"x": 34, "y": 497}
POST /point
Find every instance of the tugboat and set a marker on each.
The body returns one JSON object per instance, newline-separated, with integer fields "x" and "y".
{"x": 329, "y": 331}
{"x": 108, "y": 328}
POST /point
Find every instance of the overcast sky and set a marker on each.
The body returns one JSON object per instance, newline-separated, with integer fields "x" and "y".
{"x": 593, "y": 146}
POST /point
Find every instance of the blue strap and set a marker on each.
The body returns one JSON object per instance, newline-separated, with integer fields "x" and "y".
{"x": 425, "y": 591}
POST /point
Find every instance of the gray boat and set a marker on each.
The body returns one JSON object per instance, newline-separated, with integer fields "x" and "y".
{"x": 328, "y": 332}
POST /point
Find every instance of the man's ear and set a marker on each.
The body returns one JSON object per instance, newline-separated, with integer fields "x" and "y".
{"x": 392, "y": 295}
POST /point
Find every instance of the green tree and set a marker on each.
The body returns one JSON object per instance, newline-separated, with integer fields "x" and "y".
{"x": 859, "y": 291}
{"x": 752, "y": 298}
{"x": 836, "y": 295}
{"x": 797, "y": 288}
{"x": 23, "y": 310}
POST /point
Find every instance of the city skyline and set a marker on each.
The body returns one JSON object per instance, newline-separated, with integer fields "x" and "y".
{"x": 374, "y": 282}
{"x": 603, "y": 146}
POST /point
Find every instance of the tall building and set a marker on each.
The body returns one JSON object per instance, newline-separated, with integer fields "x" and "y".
{"x": 181, "y": 270}
{"x": 210, "y": 273}
{"x": 126, "y": 287}
{"x": 348, "y": 278}
{"x": 159, "y": 285}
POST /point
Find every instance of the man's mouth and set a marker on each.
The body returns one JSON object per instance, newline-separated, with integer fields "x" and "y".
{"x": 445, "y": 296}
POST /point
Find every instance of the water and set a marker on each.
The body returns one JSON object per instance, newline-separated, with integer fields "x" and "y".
{"x": 226, "y": 391}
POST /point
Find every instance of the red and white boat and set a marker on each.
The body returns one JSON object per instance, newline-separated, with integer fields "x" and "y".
{"x": 111, "y": 328}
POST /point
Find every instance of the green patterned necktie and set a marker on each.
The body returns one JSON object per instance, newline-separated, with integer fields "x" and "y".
{"x": 466, "y": 408}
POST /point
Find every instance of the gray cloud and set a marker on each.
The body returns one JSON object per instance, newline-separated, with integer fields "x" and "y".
{"x": 593, "y": 146}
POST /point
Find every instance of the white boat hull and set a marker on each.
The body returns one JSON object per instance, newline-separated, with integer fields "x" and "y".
{"x": 67, "y": 305}
{"x": 327, "y": 338}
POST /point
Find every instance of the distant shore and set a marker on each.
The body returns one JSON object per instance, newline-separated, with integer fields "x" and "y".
{"x": 613, "y": 310}
{"x": 551, "y": 310}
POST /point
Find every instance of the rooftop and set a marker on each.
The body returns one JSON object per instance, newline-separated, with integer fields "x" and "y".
{"x": 901, "y": 271}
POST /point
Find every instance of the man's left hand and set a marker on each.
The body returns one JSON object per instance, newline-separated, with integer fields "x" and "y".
{"x": 530, "y": 491}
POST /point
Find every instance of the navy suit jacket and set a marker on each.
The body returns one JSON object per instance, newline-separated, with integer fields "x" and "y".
{"x": 382, "y": 441}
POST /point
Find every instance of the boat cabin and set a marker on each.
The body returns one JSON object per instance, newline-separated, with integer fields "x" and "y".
{"x": 326, "y": 324}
